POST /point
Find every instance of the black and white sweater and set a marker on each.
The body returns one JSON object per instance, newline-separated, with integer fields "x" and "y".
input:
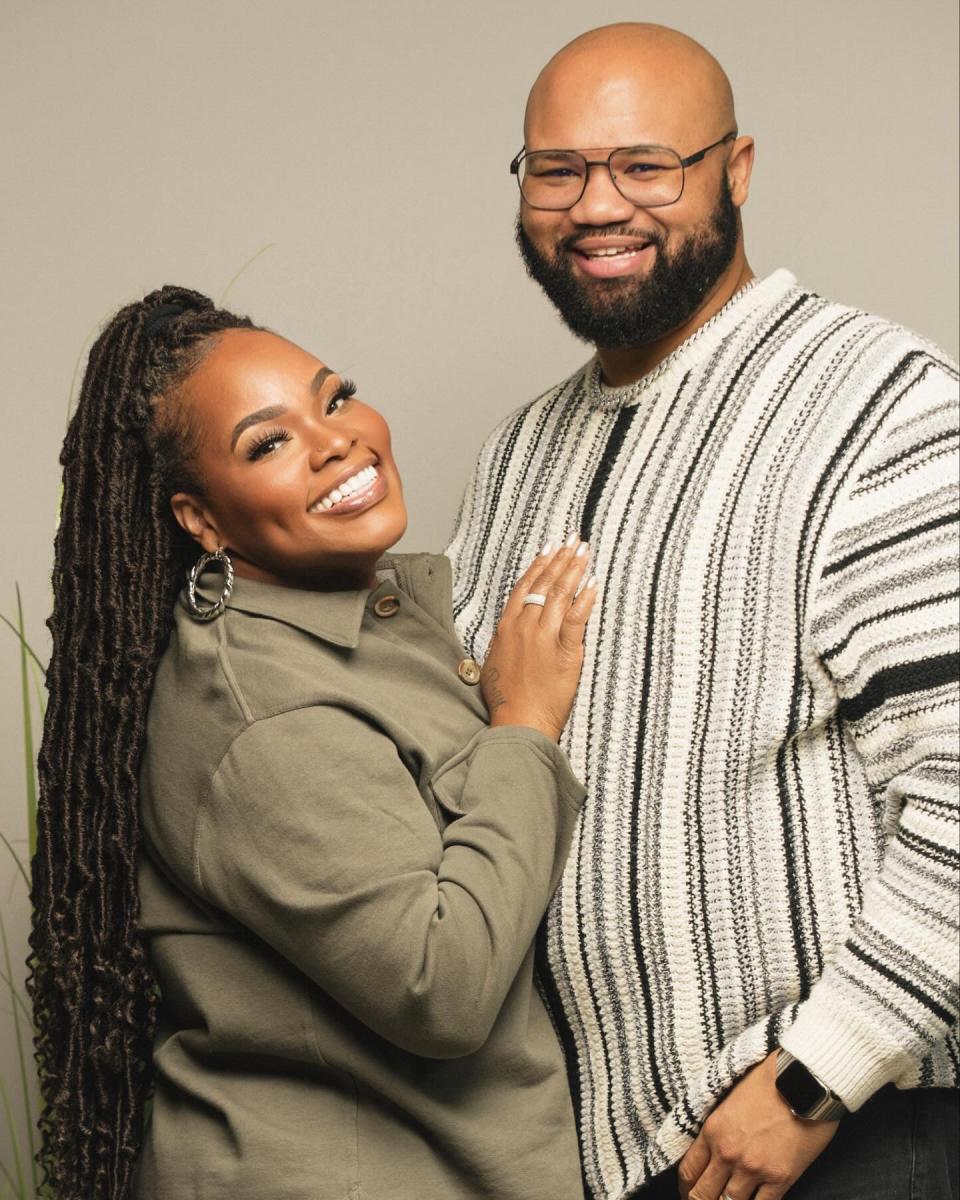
{"x": 767, "y": 718}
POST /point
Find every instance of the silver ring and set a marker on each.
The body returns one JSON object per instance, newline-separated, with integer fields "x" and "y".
{"x": 535, "y": 598}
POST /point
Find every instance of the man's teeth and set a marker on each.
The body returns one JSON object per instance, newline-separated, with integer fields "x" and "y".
{"x": 612, "y": 251}
{"x": 355, "y": 483}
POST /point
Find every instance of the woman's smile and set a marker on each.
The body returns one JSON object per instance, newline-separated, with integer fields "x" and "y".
{"x": 355, "y": 493}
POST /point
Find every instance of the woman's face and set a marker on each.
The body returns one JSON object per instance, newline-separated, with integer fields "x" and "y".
{"x": 299, "y": 480}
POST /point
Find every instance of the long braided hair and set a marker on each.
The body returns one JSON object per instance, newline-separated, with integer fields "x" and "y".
{"x": 119, "y": 563}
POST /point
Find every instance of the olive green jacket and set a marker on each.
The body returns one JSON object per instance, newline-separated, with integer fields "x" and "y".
{"x": 344, "y": 872}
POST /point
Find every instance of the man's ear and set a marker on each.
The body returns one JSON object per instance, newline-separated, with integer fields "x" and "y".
{"x": 739, "y": 169}
{"x": 193, "y": 517}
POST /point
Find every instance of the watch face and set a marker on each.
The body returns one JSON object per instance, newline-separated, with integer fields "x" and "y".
{"x": 799, "y": 1088}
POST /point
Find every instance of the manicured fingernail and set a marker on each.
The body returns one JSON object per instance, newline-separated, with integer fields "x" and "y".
{"x": 547, "y": 547}
{"x": 582, "y": 549}
{"x": 591, "y": 582}
{"x": 571, "y": 540}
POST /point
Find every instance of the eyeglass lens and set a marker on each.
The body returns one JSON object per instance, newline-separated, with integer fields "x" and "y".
{"x": 646, "y": 176}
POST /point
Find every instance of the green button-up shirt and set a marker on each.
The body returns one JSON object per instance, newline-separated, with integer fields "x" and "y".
{"x": 345, "y": 868}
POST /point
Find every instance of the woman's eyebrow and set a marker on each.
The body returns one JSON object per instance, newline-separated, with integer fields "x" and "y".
{"x": 255, "y": 418}
{"x": 320, "y": 378}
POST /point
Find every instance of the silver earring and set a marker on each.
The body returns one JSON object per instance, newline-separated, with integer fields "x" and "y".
{"x": 209, "y": 611}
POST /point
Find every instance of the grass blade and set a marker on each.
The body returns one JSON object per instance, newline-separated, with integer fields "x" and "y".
{"x": 21, "y": 1003}
{"x": 29, "y": 761}
{"x": 18, "y": 1185}
{"x": 29, "y": 648}
{"x": 249, "y": 263}
{"x": 18, "y": 1034}
{"x": 11, "y": 1189}
{"x": 16, "y": 858}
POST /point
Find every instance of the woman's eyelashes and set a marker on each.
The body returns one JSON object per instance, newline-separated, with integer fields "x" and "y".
{"x": 266, "y": 443}
{"x": 343, "y": 393}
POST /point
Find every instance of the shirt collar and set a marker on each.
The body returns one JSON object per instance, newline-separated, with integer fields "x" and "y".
{"x": 335, "y": 617}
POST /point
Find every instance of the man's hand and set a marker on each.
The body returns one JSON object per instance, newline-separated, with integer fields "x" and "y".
{"x": 752, "y": 1144}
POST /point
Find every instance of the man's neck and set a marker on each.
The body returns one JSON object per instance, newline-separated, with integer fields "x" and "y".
{"x": 630, "y": 363}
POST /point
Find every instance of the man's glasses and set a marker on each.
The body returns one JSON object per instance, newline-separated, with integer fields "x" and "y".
{"x": 647, "y": 176}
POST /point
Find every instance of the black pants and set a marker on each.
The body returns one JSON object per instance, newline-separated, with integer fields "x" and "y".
{"x": 899, "y": 1146}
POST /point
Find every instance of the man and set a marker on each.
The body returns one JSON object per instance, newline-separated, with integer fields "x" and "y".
{"x": 755, "y": 937}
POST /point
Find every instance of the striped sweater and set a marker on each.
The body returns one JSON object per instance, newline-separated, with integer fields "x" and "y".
{"x": 767, "y": 718}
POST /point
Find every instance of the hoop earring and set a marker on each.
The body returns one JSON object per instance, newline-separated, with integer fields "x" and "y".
{"x": 210, "y": 611}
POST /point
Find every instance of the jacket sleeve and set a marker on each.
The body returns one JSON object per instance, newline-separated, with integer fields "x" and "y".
{"x": 316, "y": 837}
{"x": 886, "y": 636}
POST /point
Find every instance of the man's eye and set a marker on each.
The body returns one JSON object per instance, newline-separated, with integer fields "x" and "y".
{"x": 554, "y": 166}
{"x": 557, "y": 173}
{"x": 267, "y": 443}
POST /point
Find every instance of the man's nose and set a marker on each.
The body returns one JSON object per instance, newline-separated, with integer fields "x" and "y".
{"x": 601, "y": 202}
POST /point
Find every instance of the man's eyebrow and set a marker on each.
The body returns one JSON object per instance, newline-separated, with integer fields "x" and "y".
{"x": 254, "y": 418}
{"x": 319, "y": 379}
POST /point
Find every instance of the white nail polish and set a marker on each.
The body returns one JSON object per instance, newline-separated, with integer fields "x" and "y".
{"x": 547, "y": 547}
{"x": 591, "y": 582}
{"x": 582, "y": 549}
{"x": 571, "y": 540}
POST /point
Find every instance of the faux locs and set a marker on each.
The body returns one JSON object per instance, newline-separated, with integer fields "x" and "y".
{"x": 119, "y": 561}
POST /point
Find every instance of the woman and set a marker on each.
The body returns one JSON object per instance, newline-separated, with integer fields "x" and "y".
{"x": 283, "y": 798}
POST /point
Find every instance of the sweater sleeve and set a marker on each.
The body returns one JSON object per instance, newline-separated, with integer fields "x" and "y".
{"x": 316, "y": 837}
{"x": 885, "y": 631}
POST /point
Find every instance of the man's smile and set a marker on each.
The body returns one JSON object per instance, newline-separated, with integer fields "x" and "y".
{"x": 611, "y": 260}
{"x": 610, "y": 256}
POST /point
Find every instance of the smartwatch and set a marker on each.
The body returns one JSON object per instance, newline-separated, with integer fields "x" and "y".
{"x": 806, "y": 1097}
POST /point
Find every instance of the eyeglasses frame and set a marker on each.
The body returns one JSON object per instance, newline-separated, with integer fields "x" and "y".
{"x": 689, "y": 161}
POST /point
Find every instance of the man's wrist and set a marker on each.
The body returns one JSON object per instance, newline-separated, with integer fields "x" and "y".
{"x": 805, "y": 1095}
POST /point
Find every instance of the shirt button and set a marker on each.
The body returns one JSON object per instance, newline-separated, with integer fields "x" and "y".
{"x": 469, "y": 671}
{"x": 387, "y": 606}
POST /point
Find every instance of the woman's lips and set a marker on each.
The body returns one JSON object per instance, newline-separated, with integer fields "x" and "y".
{"x": 626, "y": 260}
{"x": 363, "y": 498}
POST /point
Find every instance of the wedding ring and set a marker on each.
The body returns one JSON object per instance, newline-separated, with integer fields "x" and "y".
{"x": 535, "y": 598}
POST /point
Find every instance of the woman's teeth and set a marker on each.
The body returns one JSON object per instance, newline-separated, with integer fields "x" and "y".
{"x": 355, "y": 483}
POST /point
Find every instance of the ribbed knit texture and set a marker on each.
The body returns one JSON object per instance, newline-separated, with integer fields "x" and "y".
{"x": 767, "y": 718}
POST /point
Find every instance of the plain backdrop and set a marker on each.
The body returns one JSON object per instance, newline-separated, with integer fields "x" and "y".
{"x": 357, "y": 152}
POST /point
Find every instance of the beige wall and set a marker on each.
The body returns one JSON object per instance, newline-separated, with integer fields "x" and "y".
{"x": 367, "y": 144}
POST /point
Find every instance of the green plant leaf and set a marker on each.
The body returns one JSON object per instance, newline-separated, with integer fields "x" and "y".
{"x": 29, "y": 760}
{"x": 21, "y": 1003}
{"x": 33, "y": 654}
{"x": 250, "y": 261}
{"x": 16, "y": 858}
{"x": 18, "y": 1185}
{"x": 24, "y": 1082}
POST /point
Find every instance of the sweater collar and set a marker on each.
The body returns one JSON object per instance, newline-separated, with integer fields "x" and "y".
{"x": 759, "y": 295}
{"x": 336, "y": 617}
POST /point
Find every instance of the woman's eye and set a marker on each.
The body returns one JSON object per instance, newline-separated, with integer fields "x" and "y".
{"x": 267, "y": 443}
{"x": 343, "y": 393}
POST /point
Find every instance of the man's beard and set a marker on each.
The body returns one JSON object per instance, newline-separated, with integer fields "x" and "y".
{"x": 630, "y": 311}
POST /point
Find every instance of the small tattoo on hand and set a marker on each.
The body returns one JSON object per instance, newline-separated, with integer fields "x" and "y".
{"x": 496, "y": 698}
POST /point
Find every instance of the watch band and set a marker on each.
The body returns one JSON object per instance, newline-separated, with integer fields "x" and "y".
{"x": 806, "y": 1096}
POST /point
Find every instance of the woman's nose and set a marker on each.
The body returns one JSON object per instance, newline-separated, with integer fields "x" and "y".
{"x": 330, "y": 442}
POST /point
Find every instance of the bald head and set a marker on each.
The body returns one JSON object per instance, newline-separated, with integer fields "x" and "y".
{"x": 625, "y": 84}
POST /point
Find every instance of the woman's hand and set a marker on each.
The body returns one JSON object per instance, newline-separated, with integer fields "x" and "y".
{"x": 532, "y": 670}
